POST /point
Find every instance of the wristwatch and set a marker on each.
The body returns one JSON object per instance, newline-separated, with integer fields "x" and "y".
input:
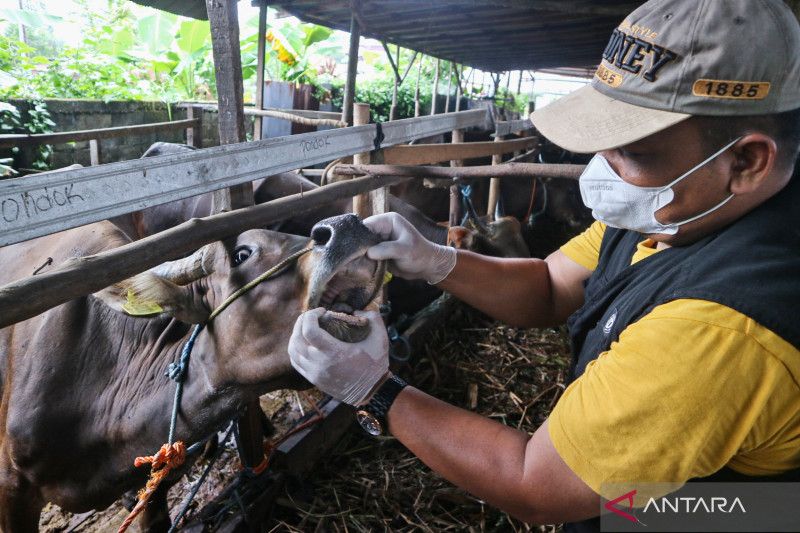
{"x": 372, "y": 416}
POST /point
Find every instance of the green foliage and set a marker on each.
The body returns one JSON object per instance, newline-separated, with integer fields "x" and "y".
{"x": 169, "y": 58}
{"x": 120, "y": 59}
{"x": 10, "y": 122}
{"x": 290, "y": 50}
{"x": 158, "y": 56}
{"x": 378, "y": 94}
{"x": 37, "y": 120}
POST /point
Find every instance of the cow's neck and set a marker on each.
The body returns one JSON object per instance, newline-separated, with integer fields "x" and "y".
{"x": 148, "y": 399}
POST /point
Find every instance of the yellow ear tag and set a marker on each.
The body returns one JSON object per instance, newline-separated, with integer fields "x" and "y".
{"x": 135, "y": 307}
{"x": 387, "y": 277}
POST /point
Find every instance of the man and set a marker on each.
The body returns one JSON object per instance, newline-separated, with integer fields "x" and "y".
{"x": 680, "y": 298}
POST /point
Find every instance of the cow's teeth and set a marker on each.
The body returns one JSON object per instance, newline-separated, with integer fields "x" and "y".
{"x": 342, "y": 307}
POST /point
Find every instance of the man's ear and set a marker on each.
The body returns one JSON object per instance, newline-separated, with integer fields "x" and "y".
{"x": 754, "y": 160}
{"x": 147, "y": 295}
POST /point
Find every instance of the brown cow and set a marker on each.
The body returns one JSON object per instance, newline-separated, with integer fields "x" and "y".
{"x": 83, "y": 385}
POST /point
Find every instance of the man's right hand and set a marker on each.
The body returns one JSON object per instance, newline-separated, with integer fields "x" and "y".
{"x": 410, "y": 255}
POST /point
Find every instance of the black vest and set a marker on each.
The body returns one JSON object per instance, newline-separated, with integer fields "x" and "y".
{"x": 752, "y": 266}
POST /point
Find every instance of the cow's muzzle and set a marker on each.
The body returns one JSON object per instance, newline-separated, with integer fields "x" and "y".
{"x": 344, "y": 279}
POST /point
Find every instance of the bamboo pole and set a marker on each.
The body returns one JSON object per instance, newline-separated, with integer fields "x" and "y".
{"x": 416, "y": 90}
{"x": 396, "y": 68}
{"x": 435, "y": 88}
{"x": 494, "y": 184}
{"x": 455, "y": 195}
{"x": 449, "y": 87}
{"x": 506, "y": 170}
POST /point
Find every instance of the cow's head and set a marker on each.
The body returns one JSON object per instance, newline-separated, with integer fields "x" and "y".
{"x": 245, "y": 345}
{"x": 501, "y": 238}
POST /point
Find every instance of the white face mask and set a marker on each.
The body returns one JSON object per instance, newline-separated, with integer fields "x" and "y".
{"x": 619, "y": 204}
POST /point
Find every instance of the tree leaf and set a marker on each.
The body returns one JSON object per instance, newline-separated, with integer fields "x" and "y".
{"x": 29, "y": 18}
{"x": 157, "y": 31}
{"x": 315, "y": 34}
{"x": 193, "y": 35}
{"x": 119, "y": 43}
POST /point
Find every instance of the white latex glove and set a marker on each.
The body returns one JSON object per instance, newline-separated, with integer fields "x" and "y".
{"x": 411, "y": 255}
{"x": 347, "y": 371}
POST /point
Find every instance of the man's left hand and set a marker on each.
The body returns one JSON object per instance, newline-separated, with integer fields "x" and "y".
{"x": 347, "y": 371}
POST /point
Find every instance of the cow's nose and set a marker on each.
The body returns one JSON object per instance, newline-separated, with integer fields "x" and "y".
{"x": 342, "y": 233}
{"x": 321, "y": 235}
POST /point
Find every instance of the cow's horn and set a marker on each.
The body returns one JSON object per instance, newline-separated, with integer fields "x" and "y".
{"x": 186, "y": 270}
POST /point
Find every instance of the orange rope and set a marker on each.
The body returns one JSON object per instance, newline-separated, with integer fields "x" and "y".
{"x": 166, "y": 459}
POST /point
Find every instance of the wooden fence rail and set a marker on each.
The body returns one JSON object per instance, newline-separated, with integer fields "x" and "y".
{"x": 270, "y": 111}
{"x": 42, "y": 204}
{"x": 506, "y": 170}
{"x": 503, "y": 128}
{"x": 12, "y": 140}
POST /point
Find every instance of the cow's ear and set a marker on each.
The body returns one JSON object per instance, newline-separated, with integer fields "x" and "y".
{"x": 461, "y": 237}
{"x": 148, "y": 295}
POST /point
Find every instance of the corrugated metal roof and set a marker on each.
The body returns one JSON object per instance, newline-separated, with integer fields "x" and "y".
{"x": 494, "y": 36}
{"x": 195, "y": 9}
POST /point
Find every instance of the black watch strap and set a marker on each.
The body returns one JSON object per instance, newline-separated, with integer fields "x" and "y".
{"x": 384, "y": 397}
{"x": 372, "y": 416}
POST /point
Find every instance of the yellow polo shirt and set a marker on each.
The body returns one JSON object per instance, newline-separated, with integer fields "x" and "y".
{"x": 687, "y": 389}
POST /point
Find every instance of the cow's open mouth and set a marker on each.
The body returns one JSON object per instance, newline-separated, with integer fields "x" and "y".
{"x": 350, "y": 288}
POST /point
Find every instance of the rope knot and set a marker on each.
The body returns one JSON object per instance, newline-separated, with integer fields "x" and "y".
{"x": 168, "y": 457}
{"x": 176, "y": 371}
{"x": 162, "y": 463}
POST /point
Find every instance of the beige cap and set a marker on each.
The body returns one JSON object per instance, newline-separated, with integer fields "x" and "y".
{"x": 671, "y": 59}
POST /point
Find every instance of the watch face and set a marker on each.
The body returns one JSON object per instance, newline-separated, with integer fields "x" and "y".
{"x": 368, "y": 421}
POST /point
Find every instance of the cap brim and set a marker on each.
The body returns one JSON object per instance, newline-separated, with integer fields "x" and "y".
{"x": 587, "y": 121}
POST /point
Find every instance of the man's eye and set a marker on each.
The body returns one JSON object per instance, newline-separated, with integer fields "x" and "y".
{"x": 632, "y": 155}
{"x": 241, "y": 254}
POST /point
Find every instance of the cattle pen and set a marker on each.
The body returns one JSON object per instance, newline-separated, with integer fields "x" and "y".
{"x": 377, "y": 157}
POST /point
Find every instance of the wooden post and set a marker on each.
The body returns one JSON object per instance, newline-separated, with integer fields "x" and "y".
{"x": 416, "y": 91}
{"x": 533, "y": 85}
{"x": 224, "y": 19}
{"x": 261, "y": 54}
{"x": 361, "y": 202}
{"x": 494, "y": 183}
{"x": 94, "y": 152}
{"x": 396, "y": 68}
{"x": 376, "y": 201}
{"x": 194, "y": 134}
{"x": 519, "y": 82}
{"x": 449, "y": 87}
{"x": 455, "y": 195}
{"x": 435, "y": 88}
{"x": 352, "y": 69}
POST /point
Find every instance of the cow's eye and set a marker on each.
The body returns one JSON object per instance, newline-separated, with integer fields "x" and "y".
{"x": 241, "y": 254}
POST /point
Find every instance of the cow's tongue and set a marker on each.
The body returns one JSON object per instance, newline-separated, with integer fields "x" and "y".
{"x": 345, "y": 327}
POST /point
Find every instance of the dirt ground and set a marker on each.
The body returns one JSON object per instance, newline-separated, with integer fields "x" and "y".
{"x": 511, "y": 375}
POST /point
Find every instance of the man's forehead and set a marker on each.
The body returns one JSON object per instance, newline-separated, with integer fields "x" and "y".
{"x": 681, "y": 134}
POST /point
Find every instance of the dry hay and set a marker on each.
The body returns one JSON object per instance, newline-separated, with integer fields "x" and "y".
{"x": 509, "y": 374}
